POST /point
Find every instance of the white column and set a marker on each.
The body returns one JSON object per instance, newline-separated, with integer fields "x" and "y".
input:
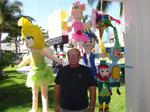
{"x": 137, "y": 51}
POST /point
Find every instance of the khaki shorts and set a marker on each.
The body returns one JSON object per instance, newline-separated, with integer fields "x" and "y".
{"x": 83, "y": 110}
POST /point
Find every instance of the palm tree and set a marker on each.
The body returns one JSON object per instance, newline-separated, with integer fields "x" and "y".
{"x": 14, "y": 30}
{"x": 103, "y": 5}
{"x": 8, "y": 13}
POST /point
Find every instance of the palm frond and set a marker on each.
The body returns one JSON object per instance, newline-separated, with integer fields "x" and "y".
{"x": 85, "y": 18}
{"x": 105, "y": 5}
{"x": 91, "y": 2}
{"x": 121, "y": 9}
{"x": 15, "y": 7}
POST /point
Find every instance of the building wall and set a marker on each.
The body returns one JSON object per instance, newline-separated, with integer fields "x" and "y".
{"x": 137, "y": 42}
{"x": 8, "y": 46}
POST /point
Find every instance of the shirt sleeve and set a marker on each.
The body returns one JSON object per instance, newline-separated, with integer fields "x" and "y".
{"x": 57, "y": 79}
{"x": 90, "y": 79}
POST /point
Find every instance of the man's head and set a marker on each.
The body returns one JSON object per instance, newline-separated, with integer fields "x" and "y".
{"x": 73, "y": 57}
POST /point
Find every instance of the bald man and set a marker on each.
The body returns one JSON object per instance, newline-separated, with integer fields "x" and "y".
{"x": 72, "y": 84}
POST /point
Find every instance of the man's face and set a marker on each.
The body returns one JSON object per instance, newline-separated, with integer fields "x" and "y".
{"x": 73, "y": 57}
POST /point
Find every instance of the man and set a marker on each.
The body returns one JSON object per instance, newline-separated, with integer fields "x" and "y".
{"x": 72, "y": 83}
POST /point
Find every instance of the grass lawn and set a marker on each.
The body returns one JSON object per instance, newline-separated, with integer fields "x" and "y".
{"x": 16, "y": 97}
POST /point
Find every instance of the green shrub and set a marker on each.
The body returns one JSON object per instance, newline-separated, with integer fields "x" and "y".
{"x": 7, "y": 58}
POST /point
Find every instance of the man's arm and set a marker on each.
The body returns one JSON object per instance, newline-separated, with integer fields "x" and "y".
{"x": 92, "y": 98}
{"x": 56, "y": 97}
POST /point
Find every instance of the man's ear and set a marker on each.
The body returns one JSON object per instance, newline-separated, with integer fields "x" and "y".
{"x": 80, "y": 57}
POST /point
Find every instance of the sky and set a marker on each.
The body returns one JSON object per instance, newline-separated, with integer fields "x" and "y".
{"x": 41, "y": 9}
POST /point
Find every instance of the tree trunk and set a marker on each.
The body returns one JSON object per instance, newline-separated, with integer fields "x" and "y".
{"x": 0, "y": 44}
{"x": 19, "y": 45}
{"x": 0, "y": 50}
{"x": 16, "y": 47}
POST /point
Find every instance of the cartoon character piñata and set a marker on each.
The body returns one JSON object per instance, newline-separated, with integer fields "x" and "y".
{"x": 40, "y": 74}
{"x": 89, "y": 55}
{"x": 104, "y": 86}
{"x": 77, "y": 27}
{"x": 101, "y": 22}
